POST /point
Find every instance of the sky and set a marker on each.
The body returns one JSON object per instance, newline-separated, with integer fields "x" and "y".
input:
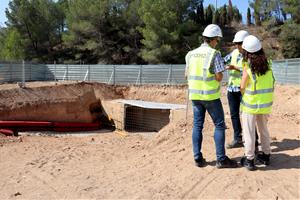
{"x": 3, "y": 5}
{"x": 241, "y": 4}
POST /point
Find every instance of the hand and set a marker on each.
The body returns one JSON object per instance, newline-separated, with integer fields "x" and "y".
{"x": 186, "y": 76}
{"x": 230, "y": 67}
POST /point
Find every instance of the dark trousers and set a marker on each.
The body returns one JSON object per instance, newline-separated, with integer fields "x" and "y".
{"x": 234, "y": 101}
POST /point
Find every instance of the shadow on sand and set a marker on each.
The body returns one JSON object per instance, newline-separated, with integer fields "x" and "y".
{"x": 286, "y": 144}
{"x": 283, "y": 160}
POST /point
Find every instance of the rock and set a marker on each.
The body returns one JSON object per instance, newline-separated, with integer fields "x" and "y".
{"x": 273, "y": 138}
{"x": 17, "y": 194}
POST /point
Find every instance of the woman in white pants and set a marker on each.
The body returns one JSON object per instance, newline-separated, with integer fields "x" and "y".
{"x": 257, "y": 87}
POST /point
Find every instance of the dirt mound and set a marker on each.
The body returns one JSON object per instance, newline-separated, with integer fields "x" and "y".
{"x": 66, "y": 103}
{"x": 108, "y": 92}
{"x": 163, "y": 93}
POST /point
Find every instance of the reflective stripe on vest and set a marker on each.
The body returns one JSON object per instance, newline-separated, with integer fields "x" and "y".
{"x": 204, "y": 92}
{"x": 234, "y": 75}
{"x": 262, "y": 91}
{"x": 258, "y": 96}
{"x": 201, "y": 78}
{"x": 257, "y": 106}
{"x": 202, "y": 84}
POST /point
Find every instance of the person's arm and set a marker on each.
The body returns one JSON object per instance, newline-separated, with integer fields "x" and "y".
{"x": 219, "y": 76}
{"x": 218, "y": 67}
{"x": 227, "y": 58}
{"x": 186, "y": 72}
{"x": 227, "y": 61}
{"x": 232, "y": 67}
{"x": 244, "y": 81}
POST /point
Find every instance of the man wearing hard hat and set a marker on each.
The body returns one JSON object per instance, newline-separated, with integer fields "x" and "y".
{"x": 204, "y": 67}
{"x": 234, "y": 95}
{"x": 233, "y": 90}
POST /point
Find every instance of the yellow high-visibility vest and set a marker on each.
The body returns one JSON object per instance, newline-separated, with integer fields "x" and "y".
{"x": 202, "y": 84}
{"x": 258, "y": 96}
{"x": 234, "y": 75}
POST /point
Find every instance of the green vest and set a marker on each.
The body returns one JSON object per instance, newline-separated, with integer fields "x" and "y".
{"x": 202, "y": 84}
{"x": 234, "y": 75}
{"x": 258, "y": 96}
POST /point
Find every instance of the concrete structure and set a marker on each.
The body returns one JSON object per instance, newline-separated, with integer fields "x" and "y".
{"x": 142, "y": 116}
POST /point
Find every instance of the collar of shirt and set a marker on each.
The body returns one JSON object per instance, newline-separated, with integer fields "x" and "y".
{"x": 232, "y": 88}
{"x": 205, "y": 44}
{"x": 239, "y": 57}
{"x": 228, "y": 57}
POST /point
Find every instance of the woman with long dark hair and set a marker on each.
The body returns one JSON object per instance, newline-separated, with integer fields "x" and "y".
{"x": 257, "y": 86}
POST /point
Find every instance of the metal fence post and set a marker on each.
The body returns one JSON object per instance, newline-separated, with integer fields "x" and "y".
{"x": 10, "y": 71}
{"x": 45, "y": 71}
{"x": 286, "y": 69}
{"x": 55, "y": 71}
{"x": 141, "y": 74}
{"x": 67, "y": 72}
{"x": 114, "y": 75}
{"x": 111, "y": 75}
{"x": 30, "y": 71}
{"x": 171, "y": 75}
{"x": 23, "y": 74}
{"x": 89, "y": 73}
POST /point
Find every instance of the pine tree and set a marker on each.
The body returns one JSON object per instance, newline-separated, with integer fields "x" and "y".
{"x": 290, "y": 40}
{"x": 101, "y": 31}
{"x": 37, "y": 24}
{"x": 230, "y": 12}
{"x": 12, "y": 47}
{"x": 223, "y": 16}
{"x": 216, "y": 19}
{"x": 209, "y": 15}
{"x": 200, "y": 13}
{"x": 248, "y": 17}
{"x": 236, "y": 14}
{"x": 166, "y": 27}
{"x": 257, "y": 5}
{"x": 292, "y": 7}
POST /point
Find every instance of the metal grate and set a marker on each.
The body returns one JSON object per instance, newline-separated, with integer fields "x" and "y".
{"x": 138, "y": 119}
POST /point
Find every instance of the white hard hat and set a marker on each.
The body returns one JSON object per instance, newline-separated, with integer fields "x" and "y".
{"x": 240, "y": 36}
{"x": 212, "y": 30}
{"x": 251, "y": 44}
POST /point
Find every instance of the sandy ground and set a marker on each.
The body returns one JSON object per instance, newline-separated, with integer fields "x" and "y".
{"x": 107, "y": 165}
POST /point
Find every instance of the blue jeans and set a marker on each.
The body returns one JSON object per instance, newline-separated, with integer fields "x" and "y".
{"x": 234, "y": 101}
{"x": 215, "y": 110}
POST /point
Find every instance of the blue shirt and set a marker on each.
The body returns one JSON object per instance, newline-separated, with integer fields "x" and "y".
{"x": 218, "y": 64}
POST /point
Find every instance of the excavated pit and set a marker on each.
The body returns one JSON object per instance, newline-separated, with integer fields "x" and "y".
{"x": 142, "y": 116}
{"x": 121, "y": 107}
